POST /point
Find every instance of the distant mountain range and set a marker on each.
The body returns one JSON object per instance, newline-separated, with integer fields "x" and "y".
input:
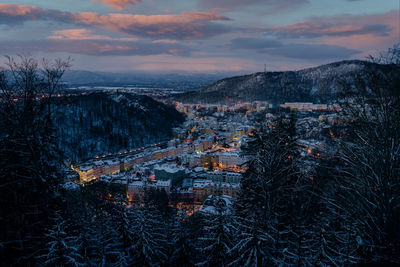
{"x": 187, "y": 81}
{"x": 321, "y": 84}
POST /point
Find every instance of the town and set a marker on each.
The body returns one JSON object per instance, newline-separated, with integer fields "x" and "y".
{"x": 205, "y": 157}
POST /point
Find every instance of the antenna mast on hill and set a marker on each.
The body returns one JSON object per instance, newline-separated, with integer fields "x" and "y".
{"x": 265, "y": 65}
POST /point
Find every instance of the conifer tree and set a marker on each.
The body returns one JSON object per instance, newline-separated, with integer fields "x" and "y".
{"x": 218, "y": 233}
{"x": 60, "y": 249}
{"x": 149, "y": 239}
{"x": 181, "y": 247}
{"x": 31, "y": 167}
{"x": 273, "y": 194}
{"x": 253, "y": 245}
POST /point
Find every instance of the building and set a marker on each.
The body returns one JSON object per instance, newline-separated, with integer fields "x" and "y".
{"x": 169, "y": 172}
{"x": 164, "y": 185}
{"x": 299, "y": 106}
{"x": 202, "y": 188}
{"x": 225, "y": 177}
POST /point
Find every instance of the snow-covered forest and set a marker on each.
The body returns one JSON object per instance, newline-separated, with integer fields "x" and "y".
{"x": 344, "y": 211}
{"x": 100, "y": 123}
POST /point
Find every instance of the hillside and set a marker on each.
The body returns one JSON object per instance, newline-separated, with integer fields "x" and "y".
{"x": 321, "y": 84}
{"x": 99, "y": 123}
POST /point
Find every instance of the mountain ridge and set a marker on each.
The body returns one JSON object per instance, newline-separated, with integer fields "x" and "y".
{"x": 319, "y": 84}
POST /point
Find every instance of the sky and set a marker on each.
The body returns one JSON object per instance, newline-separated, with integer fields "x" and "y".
{"x": 198, "y": 36}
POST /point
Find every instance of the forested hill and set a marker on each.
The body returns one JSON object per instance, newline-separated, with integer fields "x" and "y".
{"x": 320, "y": 84}
{"x": 99, "y": 123}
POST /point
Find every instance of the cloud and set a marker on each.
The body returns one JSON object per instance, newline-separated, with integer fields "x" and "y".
{"x": 83, "y": 34}
{"x": 254, "y": 43}
{"x": 118, "y": 4}
{"x": 313, "y": 52}
{"x": 344, "y": 25}
{"x": 19, "y": 10}
{"x": 165, "y": 41}
{"x": 11, "y": 14}
{"x": 182, "y": 26}
{"x": 370, "y": 42}
{"x": 293, "y": 50}
{"x": 316, "y": 29}
{"x": 95, "y": 47}
{"x": 269, "y": 5}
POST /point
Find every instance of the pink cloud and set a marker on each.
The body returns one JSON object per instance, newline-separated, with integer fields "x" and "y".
{"x": 269, "y": 6}
{"x": 365, "y": 33}
{"x": 125, "y": 21}
{"x": 316, "y": 29}
{"x": 83, "y": 34}
{"x": 185, "y": 25}
{"x": 344, "y": 25}
{"x": 12, "y": 14}
{"x": 367, "y": 41}
{"x": 18, "y": 10}
{"x": 165, "y": 41}
{"x": 118, "y": 4}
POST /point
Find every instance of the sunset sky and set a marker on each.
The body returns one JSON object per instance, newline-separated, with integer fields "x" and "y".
{"x": 205, "y": 36}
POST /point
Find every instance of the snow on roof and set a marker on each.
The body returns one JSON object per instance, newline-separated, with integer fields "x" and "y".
{"x": 168, "y": 168}
{"x": 163, "y": 183}
{"x": 198, "y": 169}
{"x": 200, "y": 183}
{"x": 228, "y": 153}
{"x": 86, "y": 168}
{"x": 222, "y": 172}
{"x": 209, "y": 204}
{"x": 111, "y": 162}
{"x": 216, "y": 172}
{"x": 150, "y": 163}
{"x": 136, "y": 184}
{"x": 70, "y": 186}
